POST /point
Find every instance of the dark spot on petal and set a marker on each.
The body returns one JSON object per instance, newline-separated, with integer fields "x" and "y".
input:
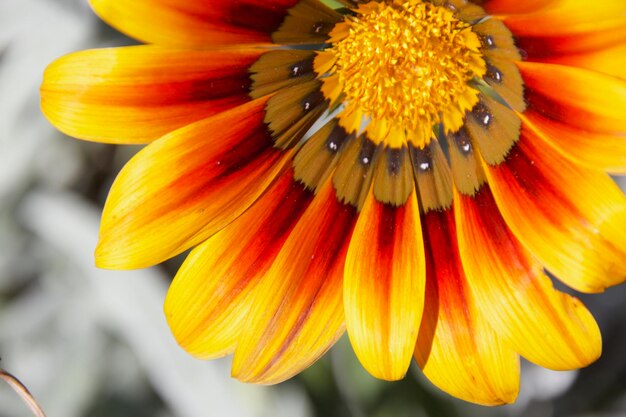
{"x": 301, "y": 68}
{"x": 451, "y": 7}
{"x": 488, "y": 42}
{"x": 322, "y": 28}
{"x": 422, "y": 159}
{"x": 494, "y": 74}
{"x": 336, "y": 139}
{"x": 394, "y": 160}
{"x": 366, "y": 153}
{"x": 462, "y": 141}
{"x": 482, "y": 115}
{"x": 312, "y": 100}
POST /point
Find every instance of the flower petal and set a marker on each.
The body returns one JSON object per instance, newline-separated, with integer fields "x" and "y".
{"x": 515, "y": 6}
{"x": 209, "y": 299}
{"x": 569, "y": 27}
{"x": 186, "y": 186}
{"x": 192, "y": 23}
{"x": 297, "y": 311}
{"x": 565, "y": 17}
{"x": 562, "y": 213}
{"x": 582, "y": 98}
{"x": 137, "y": 94}
{"x": 456, "y": 348}
{"x": 384, "y": 286}
{"x": 601, "y": 151}
{"x": 549, "y": 328}
{"x": 610, "y": 60}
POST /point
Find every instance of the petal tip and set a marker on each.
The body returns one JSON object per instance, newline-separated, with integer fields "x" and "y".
{"x": 384, "y": 368}
{"x": 108, "y": 256}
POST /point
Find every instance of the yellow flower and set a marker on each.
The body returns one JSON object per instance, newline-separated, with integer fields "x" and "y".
{"x": 463, "y": 147}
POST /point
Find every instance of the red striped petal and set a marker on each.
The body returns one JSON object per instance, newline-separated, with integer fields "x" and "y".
{"x": 456, "y": 347}
{"x": 568, "y": 26}
{"x": 547, "y": 327}
{"x": 507, "y": 7}
{"x": 192, "y": 23}
{"x": 297, "y": 311}
{"x": 610, "y": 60}
{"x": 565, "y": 17}
{"x": 563, "y": 213}
{"x": 209, "y": 299}
{"x": 601, "y": 151}
{"x": 384, "y": 286}
{"x": 186, "y": 186}
{"x": 584, "y": 99}
{"x": 137, "y": 94}
{"x": 550, "y": 48}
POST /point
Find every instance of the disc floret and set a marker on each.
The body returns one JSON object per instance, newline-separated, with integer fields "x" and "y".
{"x": 403, "y": 67}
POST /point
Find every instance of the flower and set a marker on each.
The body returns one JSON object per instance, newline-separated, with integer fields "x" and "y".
{"x": 462, "y": 147}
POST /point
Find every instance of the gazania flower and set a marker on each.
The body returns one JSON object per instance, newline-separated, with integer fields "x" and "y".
{"x": 461, "y": 150}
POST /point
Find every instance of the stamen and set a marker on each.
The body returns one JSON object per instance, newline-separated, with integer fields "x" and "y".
{"x": 403, "y": 67}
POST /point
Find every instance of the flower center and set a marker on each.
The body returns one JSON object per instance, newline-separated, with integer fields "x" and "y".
{"x": 403, "y": 67}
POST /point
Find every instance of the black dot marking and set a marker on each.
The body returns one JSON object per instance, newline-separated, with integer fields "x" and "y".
{"x": 494, "y": 74}
{"x": 321, "y": 28}
{"x": 489, "y": 42}
{"x": 366, "y": 153}
{"x": 300, "y": 68}
{"x": 422, "y": 159}
{"x": 451, "y": 7}
{"x": 312, "y": 100}
{"x": 462, "y": 141}
{"x": 482, "y": 115}
{"x": 336, "y": 139}
{"x": 394, "y": 160}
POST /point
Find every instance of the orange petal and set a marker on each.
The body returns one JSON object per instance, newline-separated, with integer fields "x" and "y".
{"x": 609, "y": 60}
{"x": 192, "y": 23}
{"x": 550, "y": 48}
{"x": 585, "y": 99}
{"x": 507, "y": 7}
{"x": 186, "y": 186}
{"x": 456, "y": 348}
{"x": 137, "y": 94}
{"x": 297, "y": 310}
{"x": 547, "y": 327}
{"x": 563, "y": 213}
{"x": 568, "y": 26}
{"x": 601, "y": 151}
{"x": 384, "y": 286}
{"x": 209, "y": 299}
{"x": 565, "y": 17}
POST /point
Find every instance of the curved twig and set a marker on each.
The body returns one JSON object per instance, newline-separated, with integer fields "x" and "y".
{"x": 23, "y": 392}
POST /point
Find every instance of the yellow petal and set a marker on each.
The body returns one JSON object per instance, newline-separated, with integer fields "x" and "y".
{"x": 581, "y": 98}
{"x": 561, "y": 212}
{"x": 456, "y": 348}
{"x": 210, "y": 297}
{"x": 608, "y": 58}
{"x": 196, "y": 24}
{"x": 547, "y": 327}
{"x": 559, "y": 18}
{"x": 137, "y": 94}
{"x": 297, "y": 310}
{"x": 599, "y": 151}
{"x": 186, "y": 186}
{"x": 384, "y": 286}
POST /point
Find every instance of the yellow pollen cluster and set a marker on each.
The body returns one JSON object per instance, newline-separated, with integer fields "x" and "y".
{"x": 403, "y": 66}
